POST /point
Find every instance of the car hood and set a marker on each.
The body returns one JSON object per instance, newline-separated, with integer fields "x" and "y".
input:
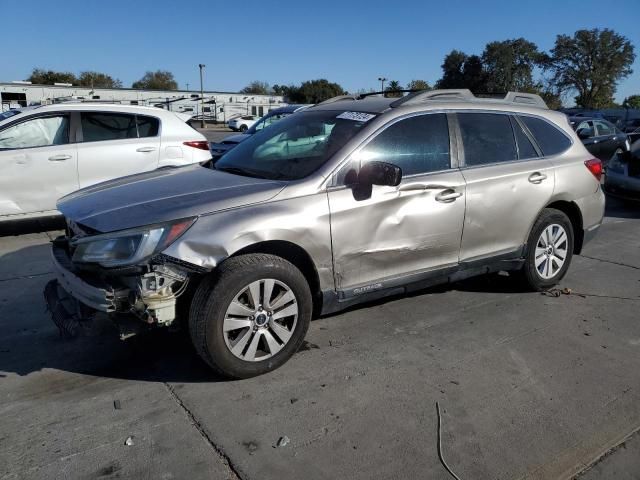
{"x": 163, "y": 195}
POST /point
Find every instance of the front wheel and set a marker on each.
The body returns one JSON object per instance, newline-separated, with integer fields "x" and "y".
{"x": 549, "y": 250}
{"x": 251, "y": 316}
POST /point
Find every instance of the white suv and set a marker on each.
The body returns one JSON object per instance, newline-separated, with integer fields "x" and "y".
{"x": 242, "y": 124}
{"x": 49, "y": 151}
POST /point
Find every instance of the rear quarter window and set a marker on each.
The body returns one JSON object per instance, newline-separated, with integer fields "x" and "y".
{"x": 550, "y": 139}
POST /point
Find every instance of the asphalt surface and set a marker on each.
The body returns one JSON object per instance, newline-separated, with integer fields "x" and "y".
{"x": 529, "y": 385}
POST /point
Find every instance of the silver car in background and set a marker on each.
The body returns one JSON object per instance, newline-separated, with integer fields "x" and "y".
{"x": 353, "y": 199}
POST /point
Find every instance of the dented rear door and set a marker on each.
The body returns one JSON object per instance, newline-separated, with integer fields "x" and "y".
{"x": 402, "y": 231}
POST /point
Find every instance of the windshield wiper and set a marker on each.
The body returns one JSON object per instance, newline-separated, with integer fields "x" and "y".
{"x": 245, "y": 172}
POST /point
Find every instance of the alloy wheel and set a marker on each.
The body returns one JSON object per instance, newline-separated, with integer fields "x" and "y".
{"x": 260, "y": 320}
{"x": 551, "y": 251}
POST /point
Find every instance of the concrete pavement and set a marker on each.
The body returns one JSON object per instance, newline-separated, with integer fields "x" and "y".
{"x": 530, "y": 386}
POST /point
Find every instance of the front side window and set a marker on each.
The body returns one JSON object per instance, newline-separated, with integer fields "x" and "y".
{"x": 294, "y": 147}
{"x": 38, "y": 132}
{"x": 603, "y": 128}
{"x": 549, "y": 138}
{"x": 586, "y": 130}
{"x": 266, "y": 121}
{"x": 101, "y": 126}
{"x": 487, "y": 138}
{"x": 417, "y": 144}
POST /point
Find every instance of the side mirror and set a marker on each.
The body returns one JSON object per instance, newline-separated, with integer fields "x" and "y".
{"x": 585, "y": 133}
{"x": 380, "y": 173}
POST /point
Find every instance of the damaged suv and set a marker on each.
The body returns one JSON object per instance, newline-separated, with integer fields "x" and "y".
{"x": 353, "y": 199}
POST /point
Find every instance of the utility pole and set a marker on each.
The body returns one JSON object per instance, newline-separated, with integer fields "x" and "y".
{"x": 187, "y": 87}
{"x": 382, "y": 80}
{"x": 201, "y": 65}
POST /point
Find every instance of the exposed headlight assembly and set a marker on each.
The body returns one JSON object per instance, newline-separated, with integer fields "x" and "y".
{"x": 128, "y": 247}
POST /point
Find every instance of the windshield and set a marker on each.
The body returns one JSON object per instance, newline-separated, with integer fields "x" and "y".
{"x": 295, "y": 146}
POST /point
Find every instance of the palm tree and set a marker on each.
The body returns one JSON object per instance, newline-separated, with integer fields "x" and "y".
{"x": 393, "y": 85}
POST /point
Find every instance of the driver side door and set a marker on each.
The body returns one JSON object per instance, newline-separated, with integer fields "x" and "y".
{"x": 398, "y": 234}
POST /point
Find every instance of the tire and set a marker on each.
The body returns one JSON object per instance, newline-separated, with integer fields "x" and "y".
{"x": 549, "y": 270}
{"x": 243, "y": 128}
{"x": 223, "y": 318}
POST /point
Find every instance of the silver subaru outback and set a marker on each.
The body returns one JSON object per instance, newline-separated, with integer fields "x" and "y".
{"x": 355, "y": 198}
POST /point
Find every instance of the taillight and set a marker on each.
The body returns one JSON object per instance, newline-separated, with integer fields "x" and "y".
{"x": 595, "y": 167}
{"x": 199, "y": 144}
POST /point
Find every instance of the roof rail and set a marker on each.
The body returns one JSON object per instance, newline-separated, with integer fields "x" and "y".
{"x": 339, "y": 98}
{"x": 422, "y": 95}
{"x": 528, "y": 98}
{"x": 465, "y": 94}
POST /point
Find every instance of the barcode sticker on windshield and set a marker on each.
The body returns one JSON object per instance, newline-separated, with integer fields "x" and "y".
{"x": 356, "y": 116}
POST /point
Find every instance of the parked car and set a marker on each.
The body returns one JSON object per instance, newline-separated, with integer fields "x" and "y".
{"x": 49, "y": 151}
{"x": 632, "y": 125}
{"x": 242, "y": 124}
{"x": 353, "y": 199}
{"x": 603, "y": 139}
{"x": 623, "y": 174}
{"x": 219, "y": 149}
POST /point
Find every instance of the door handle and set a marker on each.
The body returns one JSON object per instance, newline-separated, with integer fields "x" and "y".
{"x": 537, "y": 177}
{"x": 145, "y": 149}
{"x": 447, "y": 196}
{"x": 59, "y": 158}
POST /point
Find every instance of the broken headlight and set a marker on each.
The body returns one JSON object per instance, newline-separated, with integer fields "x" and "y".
{"x": 128, "y": 247}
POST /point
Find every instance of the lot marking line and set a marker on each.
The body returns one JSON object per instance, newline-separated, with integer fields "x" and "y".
{"x": 224, "y": 458}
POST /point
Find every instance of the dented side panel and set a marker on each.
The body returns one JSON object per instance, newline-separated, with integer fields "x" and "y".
{"x": 397, "y": 231}
{"x": 303, "y": 221}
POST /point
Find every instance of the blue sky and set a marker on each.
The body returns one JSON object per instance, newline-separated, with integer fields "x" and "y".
{"x": 349, "y": 42}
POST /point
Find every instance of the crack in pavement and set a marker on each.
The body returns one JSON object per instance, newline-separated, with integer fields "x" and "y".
{"x": 611, "y": 261}
{"x": 24, "y": 277}
{"x": 223, "y": 457}
{"x": 607, "y": 453}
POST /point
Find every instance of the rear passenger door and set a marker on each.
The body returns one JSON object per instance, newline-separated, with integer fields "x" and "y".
{"x": 508, "y": 184}
{"x": 114, "y": 144}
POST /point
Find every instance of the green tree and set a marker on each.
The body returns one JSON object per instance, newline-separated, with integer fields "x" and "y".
{"x": 257, "y": 88}
{"x": 49, "y": 77}
{"x": 591, "y": 63}
{"x": 632, "y": 101}
{"x": 460, "y": 70}
{"x": 391, "y": 86}
{"x": 418, "y": 85}
{"x": 508, "y": 65}
{"x": 314, "y": 91}
{"x": 98, "y": 80}
{"x": 158, "y": 80}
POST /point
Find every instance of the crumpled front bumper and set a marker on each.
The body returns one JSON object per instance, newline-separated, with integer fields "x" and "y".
{"x": 102, "y": 299}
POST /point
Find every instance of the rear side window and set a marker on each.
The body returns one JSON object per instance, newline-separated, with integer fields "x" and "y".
{"x": 148, "y": 126}
{"x": 525, "y": 147}
{"x": 487, "y": 138}
{"x": 417, "y": 145}
{"x": 100, "y": 126}
{"x": 604, "y": 128}
{"x": 38, "y": 132}
{"x": 550, "y": 139}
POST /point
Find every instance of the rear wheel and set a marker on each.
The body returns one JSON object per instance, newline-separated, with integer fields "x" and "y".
{"x": 243, "y": 128}
{"x": 549, "y": 249}
{"x": 251, "y": 316}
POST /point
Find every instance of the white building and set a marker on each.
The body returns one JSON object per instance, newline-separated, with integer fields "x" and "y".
{"x": 218, "y": 106}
